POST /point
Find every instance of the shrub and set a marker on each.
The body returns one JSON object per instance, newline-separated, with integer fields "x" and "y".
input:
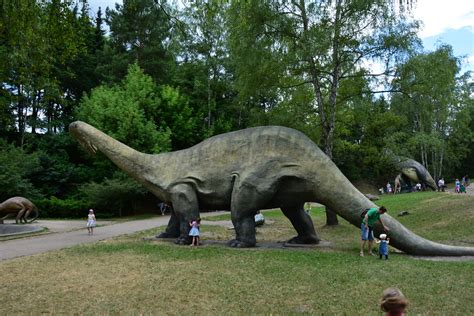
{"x": 57, "y": 208}
{"x": 118, "y": 196}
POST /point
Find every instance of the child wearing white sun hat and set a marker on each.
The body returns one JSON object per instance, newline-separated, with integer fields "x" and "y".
{"x": 383, "y": 247}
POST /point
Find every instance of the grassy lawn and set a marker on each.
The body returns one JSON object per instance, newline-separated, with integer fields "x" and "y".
{"x": 131, "y": 276}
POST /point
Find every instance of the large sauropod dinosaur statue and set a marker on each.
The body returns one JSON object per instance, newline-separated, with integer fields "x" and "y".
{"x": 19, "y": 206}
{"x": 249, "y": 170}
{"x": 410, "y": 171}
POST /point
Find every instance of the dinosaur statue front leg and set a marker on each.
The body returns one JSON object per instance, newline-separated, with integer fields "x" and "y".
{"x": 173, "y": 228}
{"x": 303, "y": 225}
{"x": 244, "y": 206}
{"x": 5, "y": 217}
{"x": 185, "y": 204}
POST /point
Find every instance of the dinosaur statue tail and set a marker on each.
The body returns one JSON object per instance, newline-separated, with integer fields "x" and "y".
{"x": 400, "y": 236}
{"x": 407, "y": 241}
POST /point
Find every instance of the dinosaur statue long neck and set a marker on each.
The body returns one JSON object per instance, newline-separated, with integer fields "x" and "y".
{"x": 131, "y": 161}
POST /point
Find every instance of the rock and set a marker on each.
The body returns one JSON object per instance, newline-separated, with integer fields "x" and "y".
{"x": 372, "y": 197}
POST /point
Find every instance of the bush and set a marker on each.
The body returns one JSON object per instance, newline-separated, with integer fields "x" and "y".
{"x": 119, "y": 195}
{"x": 16, "y": 167}
{"x": 57, "y": 208}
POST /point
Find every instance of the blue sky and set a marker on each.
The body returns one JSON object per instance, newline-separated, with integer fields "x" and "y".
{"x": 450, "y": 22}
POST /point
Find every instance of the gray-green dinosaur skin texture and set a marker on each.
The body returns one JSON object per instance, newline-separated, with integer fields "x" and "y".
{"x": 19, "y": 207}
{"x": 248, "y": 170}
{"x": 411, "y": 170}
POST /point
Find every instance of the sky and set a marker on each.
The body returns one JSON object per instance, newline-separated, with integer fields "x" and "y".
{"x": 450, "y": 22}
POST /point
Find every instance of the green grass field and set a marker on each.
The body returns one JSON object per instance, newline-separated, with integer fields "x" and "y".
{"x": 129, "y": 275}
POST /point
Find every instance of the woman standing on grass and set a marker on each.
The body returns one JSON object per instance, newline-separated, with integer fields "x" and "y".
{"x": 90, "y": 222}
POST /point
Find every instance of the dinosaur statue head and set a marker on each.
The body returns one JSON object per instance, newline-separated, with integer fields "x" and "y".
{"x": 79, "y": 131}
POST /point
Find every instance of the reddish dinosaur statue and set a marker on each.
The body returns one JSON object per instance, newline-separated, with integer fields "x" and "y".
{"x": 19, "y": 206}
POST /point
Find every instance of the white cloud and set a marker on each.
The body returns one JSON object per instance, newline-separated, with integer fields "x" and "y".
{"x": 470, "y": 60}
{"x": 440, "y": 15}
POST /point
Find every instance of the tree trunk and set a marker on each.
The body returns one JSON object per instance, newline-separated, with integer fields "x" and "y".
{"x": 331, "y": 217}
{"x": 327, "y": 115}
{"x": 21, "y": 109}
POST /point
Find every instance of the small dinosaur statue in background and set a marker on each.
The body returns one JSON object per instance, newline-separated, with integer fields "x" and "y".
{"x": 19, "y": 206}
{"x": 410, "y": 171}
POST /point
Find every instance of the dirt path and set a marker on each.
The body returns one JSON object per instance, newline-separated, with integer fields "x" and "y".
{"x": 70, "y": 233}
{"x": 469, "y": 190}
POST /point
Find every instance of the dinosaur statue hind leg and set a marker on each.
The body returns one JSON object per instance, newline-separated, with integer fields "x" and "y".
{"x": 302, "y": 223}
{"x": 186, "y": 206}
{"x": 21, "y": 214}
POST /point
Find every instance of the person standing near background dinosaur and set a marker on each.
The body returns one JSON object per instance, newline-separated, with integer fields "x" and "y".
{"x": 91, "y": 222}
{"x": 371, "y": 217}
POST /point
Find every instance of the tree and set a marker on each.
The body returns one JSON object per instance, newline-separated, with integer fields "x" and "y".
{"x": 282, "y": 45}
{"x": 427, "y": 83}
{"x": 38, "y": 39}
{"x": 120, "y": 111}
{"x": 16, "y": 168}
{"x": 203, "y": 72}
{"x": 127, "y": 112}
{"x": 139, "y": 32}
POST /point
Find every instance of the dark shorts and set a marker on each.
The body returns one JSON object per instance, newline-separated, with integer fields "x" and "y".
{"x": 367, "y": 234}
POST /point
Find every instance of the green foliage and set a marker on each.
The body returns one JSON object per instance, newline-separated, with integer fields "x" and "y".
{"x": 16, "y": 168}
{"x": 432, "y": 108}
{"x": 139, "y": 31}
{"x": 38, "y": 38}
{"x": 120, "y": 111}
{"x": 461, "y": 137}
{"x": 58, "y": 208}
{"x": 175, "y": 113}
{"x": 117, "y": 196}
{"x": 57, "y": 174}
{"x": 278, "y": 46}
{"x": 167, "y": 76}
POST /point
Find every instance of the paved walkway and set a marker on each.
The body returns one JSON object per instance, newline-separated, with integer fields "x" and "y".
{"x": 38, "y": 244}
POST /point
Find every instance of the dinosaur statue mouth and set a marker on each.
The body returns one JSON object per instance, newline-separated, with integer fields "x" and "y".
{"x": 82, "y": 138}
